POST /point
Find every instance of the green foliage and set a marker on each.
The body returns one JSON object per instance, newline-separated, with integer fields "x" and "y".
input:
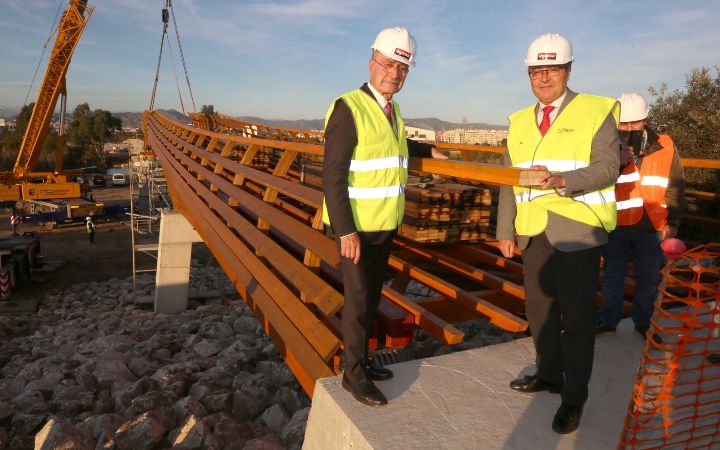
{"x": 46, "y": 161}
{"x": 12, "y": 140}
{"x": 208, "y": 110}
{"x": 692, "y": 119}
{"x": 87, "y": 134}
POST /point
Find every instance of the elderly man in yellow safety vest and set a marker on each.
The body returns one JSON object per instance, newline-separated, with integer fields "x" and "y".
{"x": 562, "y": 222}
{"x": 364, "y": 175}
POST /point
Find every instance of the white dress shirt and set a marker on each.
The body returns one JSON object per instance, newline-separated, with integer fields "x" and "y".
{"x": 382, "y": 101}
{"x": 553, "y": 114}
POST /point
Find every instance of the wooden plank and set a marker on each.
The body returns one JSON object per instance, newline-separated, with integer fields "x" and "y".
{"x": 434, "y": 325}
{"x": 325, "y": 249}
{"x": 481, "y": 276}
{"x": 497, "y": 316}
{"x": 307, "y": 365}
{"x": 316, "y": 290}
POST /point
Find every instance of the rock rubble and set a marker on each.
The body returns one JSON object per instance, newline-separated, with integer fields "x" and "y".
{"x": 93, "y": 370}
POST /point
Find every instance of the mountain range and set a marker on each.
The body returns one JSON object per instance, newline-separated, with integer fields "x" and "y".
{"x": 429, "y": 123}
{"x": 132, "y": 120}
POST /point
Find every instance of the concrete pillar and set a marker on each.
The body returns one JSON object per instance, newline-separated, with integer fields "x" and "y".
{"x": 173, "y": 263}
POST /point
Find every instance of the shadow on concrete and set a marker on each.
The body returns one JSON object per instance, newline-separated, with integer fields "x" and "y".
{"x": 533, "y": 428}
{"x": 405, "y": 375}
{"x": 610, "y": 388}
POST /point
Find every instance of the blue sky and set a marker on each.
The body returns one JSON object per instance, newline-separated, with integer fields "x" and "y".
{"x": 289, "y": 59}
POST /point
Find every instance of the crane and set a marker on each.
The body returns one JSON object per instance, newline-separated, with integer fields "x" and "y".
{"x": 22, "y": 182}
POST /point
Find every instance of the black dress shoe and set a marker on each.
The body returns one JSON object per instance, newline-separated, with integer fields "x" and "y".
{"x": 366, "y": 392}
{"x": 531, "y": 383}
{"x": 376, "y": 373}
{"x": 567, "y": 418}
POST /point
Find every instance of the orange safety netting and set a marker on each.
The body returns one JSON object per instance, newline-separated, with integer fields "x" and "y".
{"x": 676, "y": 396}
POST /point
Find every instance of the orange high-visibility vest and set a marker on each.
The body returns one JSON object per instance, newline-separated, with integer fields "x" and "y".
{"x": 644, "y": 190}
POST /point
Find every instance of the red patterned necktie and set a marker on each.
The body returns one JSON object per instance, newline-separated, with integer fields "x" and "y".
{"x": 545, "y": 123}
{"x": 388, "y": 112}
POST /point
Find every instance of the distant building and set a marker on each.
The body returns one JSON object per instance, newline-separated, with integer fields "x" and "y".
{"x": 472, "y": 136}
{"x": 420, "y": 134}
{"x": 135, "y": 145}
{"x": 10, "y": 125}
{"x": 2, "y": 126}
{"x": 114, "y": 147}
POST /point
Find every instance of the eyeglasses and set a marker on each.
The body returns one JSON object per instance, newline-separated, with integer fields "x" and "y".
{"x": 552, "y": 72}
{"x": 389, "y": 67}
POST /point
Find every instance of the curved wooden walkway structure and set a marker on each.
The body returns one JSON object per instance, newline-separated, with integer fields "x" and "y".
{"x": 240, "y": 190}
{"x": 239, "y": 184}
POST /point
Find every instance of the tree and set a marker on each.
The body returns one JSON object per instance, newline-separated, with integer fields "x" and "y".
{"x": 12, "y": 140}
{"x": 208, "y": 110}
{"x": 87, "y": 134}
{"x": 692, "y": 119}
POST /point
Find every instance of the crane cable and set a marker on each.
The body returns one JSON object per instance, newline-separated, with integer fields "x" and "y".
{"x": 182, "y": 56}
{"x": 53, "y": 29}
{"x": 162, "y": 42}
{"x": 165, "y": 18}
{"x": 177, "y": 81}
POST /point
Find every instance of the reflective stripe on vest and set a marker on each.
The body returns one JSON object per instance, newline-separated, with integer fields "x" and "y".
{"x": 654, "y": 181}
{"x": 378, "y": 192}
{"x": 593, "y": 198}
{"x": 565, "y": 147}
{"x": 378, "y": 168}
{"x": 632, "y": 203}
{"x": 628, "y": 178}
{"x": 643, "y": 190}
{"x": 378, "y": 163}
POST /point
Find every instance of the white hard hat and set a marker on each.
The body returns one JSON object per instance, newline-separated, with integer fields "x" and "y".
{"x": 88, "y": 218}
{"x": 396, "y": 43}
{"x": 549, "y": 49}
{"x": 633, "y": 107}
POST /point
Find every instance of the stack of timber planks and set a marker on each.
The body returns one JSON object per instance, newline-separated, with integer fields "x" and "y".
{"x": 445, "y": 212}
{"x": 435, "y": 212}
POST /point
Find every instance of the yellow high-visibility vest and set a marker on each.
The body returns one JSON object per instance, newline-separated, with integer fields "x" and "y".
{"x": 378, "y": 169}
{"x": 566, "y": 146}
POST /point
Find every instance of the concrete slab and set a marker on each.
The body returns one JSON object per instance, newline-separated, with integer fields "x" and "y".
{"x": 462, "y": 401}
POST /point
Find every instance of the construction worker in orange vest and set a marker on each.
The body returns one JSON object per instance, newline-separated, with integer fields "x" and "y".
{"x": 650, "y": 197}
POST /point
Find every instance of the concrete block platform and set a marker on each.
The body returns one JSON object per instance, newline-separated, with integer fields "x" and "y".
{"x": 462, "y": 401}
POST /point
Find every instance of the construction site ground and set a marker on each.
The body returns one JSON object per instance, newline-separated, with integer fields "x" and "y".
{"x": 71, "y": 259}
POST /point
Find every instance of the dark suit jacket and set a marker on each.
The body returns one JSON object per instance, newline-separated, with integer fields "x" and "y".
{"x": 563, "y": 233}
{"x": 340, "y": 141}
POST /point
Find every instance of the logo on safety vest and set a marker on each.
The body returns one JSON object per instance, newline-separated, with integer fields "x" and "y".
{"x": 546, "y": 56}
{"x": 402, "y": 53}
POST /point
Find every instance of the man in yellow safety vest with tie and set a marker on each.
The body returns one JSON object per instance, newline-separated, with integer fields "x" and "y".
{"x": 562, "y": 222}
{"x": 364, "y": 175}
